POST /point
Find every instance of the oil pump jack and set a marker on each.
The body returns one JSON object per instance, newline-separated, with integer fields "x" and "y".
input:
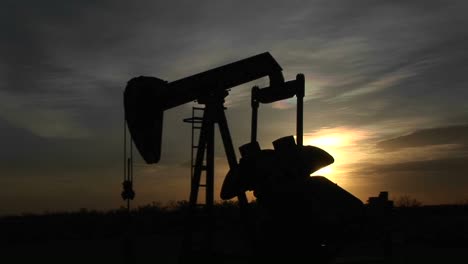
{"x": 146, "y": 98}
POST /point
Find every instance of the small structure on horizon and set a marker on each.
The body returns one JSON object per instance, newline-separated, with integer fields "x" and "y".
{"x": 380, "y": 201}
{"x": 380, "y": 213}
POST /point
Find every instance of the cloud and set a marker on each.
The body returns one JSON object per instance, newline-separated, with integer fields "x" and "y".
{"x": 456, "y": 167}
{"x": 433, "y": 181}
{"x": 384, "y": 82}
{"x": 427, "y": 163}
{"x": 48, "y": 121}
{"x": 27, "y": 152}
{"x": 457, "y": 135}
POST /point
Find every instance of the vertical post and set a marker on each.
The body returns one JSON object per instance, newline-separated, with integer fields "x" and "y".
{"x": 300, "y": 91}
{"x": 209, "y": 191}
{"x": 254, "y": 103}
{"x": 191, "y": 147}
{"x": 210, "y": 159}
{"x": 125, "y": 150}
{"x": 131, "y": 160}
{"x": 232, "y": 160}
{"x": 129, "y": 173}
{"x": 229, "y": 148}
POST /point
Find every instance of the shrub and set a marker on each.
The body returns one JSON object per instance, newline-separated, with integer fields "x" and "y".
{"x": 406, "y": 201}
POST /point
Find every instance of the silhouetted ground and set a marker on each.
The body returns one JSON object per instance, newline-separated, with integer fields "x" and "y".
{"x": 427, "y": 234}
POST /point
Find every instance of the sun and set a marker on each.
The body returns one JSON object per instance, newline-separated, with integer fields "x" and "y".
{"x": 326, "y": 171}
{"x": 343, "y": 143}
{"x": 332, "y": 141}
{"x": 328, "y": 143}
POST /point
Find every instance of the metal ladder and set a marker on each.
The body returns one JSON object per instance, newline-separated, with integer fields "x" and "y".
{"x": 196, "y": 120}
{"x": 197, "y": 237}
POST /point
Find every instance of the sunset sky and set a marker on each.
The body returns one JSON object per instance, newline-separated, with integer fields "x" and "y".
{"x": 386, "y": 93}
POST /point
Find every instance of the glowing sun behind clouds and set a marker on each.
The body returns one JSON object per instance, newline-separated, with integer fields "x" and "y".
{"x": 344, "y": 144}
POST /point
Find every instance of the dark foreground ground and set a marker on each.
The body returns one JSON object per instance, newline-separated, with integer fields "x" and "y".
{"x": 426, "y": 234}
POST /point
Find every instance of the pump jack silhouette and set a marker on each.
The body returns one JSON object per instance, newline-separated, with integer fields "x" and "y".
{"x": 266, "y": 172}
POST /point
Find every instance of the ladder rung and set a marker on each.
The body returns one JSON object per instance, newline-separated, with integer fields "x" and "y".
{"x": 193, "y": 119}
{"x": 202, "y": 185}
